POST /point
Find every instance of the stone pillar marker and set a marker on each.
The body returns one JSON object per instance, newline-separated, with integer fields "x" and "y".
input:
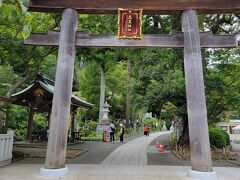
{"x": 196, "y": 103}
{"x": 57, "y": 142}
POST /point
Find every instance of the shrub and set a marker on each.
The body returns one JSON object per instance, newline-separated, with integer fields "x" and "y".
{"x": 172, "y": 140}
{"x": 17, "y": 154}
{"x": 127, "y": 130}
{"x": 39, "y": 127}
{"x": 227, "y": 137}
{"x": 89, "y": 129}
{"x": 92, "y": 125}
{"x": 17, "y": 118}
{"x": 218, "y": 138}
{"x": 150, "y": 121}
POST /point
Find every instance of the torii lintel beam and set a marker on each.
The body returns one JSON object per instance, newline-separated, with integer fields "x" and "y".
{"x": 167, "y": 7}
{"x": 174, "y": 40}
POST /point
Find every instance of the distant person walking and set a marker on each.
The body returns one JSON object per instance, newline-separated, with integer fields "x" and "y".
{"x": 122, "y": 132}
{"x": 112, "y": 131}
{"x": 146, "y": 130}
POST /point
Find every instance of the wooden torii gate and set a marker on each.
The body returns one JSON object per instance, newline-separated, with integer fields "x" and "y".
{"x": 190, "y": 39}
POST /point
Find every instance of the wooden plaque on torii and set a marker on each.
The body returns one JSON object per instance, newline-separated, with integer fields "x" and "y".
{"x": 129, "y": 23}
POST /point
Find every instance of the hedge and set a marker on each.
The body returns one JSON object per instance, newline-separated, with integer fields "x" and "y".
{"x": 227, "y": 137}
{"x": 218, "y": 138}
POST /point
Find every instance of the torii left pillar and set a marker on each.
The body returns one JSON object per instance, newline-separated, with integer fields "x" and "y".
{"x": 57, "y": 141}
{"x": 196, "y": 103}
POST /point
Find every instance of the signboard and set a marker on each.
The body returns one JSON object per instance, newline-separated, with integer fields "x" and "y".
{"x": 129, "y": 23}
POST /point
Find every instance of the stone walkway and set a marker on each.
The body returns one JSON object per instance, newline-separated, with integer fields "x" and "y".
{"x": 111, "y": 172}
{"x": 96, "y": 152}
{"x": 128, "y": 162}
{"x": 133, "y": 152}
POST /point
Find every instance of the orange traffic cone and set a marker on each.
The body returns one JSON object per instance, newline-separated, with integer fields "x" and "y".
{"x": 105, "y": 136}
{"x": 161, "y": 148}
{"x": 157, "y": 144}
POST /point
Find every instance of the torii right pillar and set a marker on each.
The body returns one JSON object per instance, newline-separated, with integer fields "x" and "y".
{"x": 196, "y": 104}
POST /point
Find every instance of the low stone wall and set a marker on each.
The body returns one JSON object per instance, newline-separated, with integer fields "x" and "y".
{"x": 235, "y": 147}
{"x": 235, "y": 138}
{"x": 6, "y": 146}
{"x": 235, "y": 142}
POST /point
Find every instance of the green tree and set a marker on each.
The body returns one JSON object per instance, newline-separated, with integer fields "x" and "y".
{"x": 24, "y": 60}
{"x": 14, "y": 15}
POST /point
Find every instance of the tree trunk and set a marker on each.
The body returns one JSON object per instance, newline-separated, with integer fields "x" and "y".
{"x": 27, "y": 73}
{"x": 128, "y": 93}
{"x": 18, "y": 84}
{"x": 30, "y": 124}
{"x": 2, "y": 119}
{"x": 184, "y": 139}
{"x": 102, "y": 93}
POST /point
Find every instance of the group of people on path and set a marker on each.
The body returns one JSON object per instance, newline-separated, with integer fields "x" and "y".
{"x": 111, "y": 131}
{"x": 112, "y": 128}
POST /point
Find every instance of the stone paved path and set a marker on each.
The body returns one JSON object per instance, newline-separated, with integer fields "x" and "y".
{"x": 111, "y": 172}
{"x": 128, "y": 162}
{"x": 133, "y": 152}
{"x": 97, "y": 152}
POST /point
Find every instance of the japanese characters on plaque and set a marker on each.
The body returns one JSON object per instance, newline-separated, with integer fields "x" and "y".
{"x": 129, "y": 23}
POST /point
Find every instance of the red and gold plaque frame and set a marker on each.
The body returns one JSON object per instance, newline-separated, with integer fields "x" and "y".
{"x": 129, "y": 23}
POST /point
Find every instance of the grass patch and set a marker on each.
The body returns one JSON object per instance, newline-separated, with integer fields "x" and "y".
{"x": 17, "y": 154}
{"x": 92, "y": 138}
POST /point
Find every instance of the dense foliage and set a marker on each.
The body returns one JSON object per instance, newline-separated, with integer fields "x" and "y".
{"x": 154, "y": 124}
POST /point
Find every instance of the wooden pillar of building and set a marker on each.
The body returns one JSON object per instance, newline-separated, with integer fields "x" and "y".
{"x": 196, "y": 103}
{"x": 57, "y": 142}
{"x": 30, "y": 124}
{"x": 73, "y": 124}
{"x": 48, "y": 120}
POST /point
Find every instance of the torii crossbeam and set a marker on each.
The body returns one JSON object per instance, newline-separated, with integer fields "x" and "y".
{"x": 190, "y": 39}
{"x": 166, "y": 7}
{"x": 174, "y": 40}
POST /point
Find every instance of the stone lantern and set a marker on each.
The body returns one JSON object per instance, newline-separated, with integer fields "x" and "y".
{"x": 104, "y": 121}
{"x": 105, "y": 111}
